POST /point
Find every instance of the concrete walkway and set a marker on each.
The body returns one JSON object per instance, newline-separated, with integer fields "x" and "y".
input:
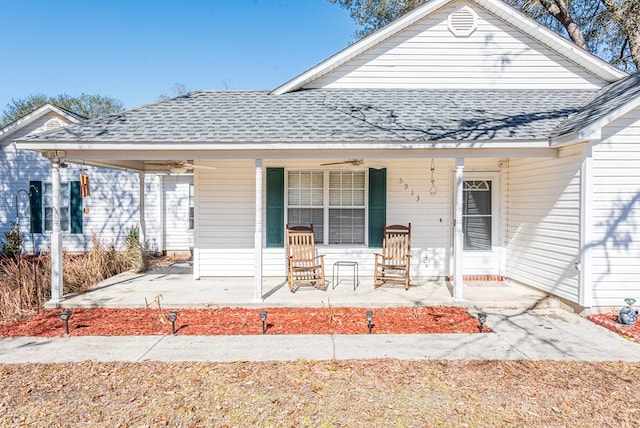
{"x": 527, "y": 324}
{"x": 534, "y": 334}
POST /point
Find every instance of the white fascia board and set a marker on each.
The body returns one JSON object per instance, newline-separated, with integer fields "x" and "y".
{"x": 359, "y": 47}
{"x": 554, "y": 41}
{"x": 157, "y": 149}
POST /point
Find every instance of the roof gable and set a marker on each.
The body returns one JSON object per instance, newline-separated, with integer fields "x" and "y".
{"x": 28, "y": 123}
{"x": 421, "y": 50}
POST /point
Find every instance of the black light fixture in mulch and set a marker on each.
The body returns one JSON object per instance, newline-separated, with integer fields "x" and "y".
{"x": 263, "y": 318}
{"x": 369, "y": 315}
{"x": 482, "y": 318}
{"x": 173, "y": 316}
{"x": 65, "y": 315}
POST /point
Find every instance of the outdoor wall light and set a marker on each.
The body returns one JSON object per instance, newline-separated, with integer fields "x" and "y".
{"x": 482, "y": 318}
{"x": 65, "y": 315}
{"x": 173, "y": 316}
{"x": 369, "y": 315}
{"x": 263, "y": 318}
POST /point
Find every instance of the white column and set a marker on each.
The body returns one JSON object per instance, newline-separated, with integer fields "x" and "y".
{"x": 56, "y": 237}
{"x": 458, "y": 244}
{"x": 584, "y": 269}
{"x": 257, "y": 292}
{"x": 143, "y": 224}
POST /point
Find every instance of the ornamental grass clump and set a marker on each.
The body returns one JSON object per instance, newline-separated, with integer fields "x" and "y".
{"x": 25, "y": 280}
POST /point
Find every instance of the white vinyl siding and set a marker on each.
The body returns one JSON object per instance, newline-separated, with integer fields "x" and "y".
{"x": 543, "y": 223}
{"x": 225, "y": 217}
{"x": 615, "y": 246}
{"x": 429, "y": 55}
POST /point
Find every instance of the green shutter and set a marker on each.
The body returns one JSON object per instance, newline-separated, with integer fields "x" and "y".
{"x": 377, "y": 205}
{"x": 35, "y": 203}
{"x": 275, "y": 207}
{"x": 75, "y": 207}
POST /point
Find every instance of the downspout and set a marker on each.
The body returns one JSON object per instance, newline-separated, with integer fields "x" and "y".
{"x": 458, "y": 244}
{"x": 257, "y": 290}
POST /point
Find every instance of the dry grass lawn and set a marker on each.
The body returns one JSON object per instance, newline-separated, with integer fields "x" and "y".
{"x": 322, "y": 394}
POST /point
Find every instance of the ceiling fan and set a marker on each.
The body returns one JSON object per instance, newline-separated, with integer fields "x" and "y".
{"x": 354, "y": 162}
{"x": 180, "y": 167}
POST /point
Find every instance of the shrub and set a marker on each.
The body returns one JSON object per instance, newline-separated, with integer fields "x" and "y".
{"x": 12, "y": 245}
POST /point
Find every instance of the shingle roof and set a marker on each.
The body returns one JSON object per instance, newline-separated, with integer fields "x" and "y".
{"x": 323, "y": 115}
{"x": 601, "y": 104}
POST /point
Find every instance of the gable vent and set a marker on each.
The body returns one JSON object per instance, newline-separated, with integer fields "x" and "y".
{"x": 52, "y": 124}
{"x": 463, "y": 22}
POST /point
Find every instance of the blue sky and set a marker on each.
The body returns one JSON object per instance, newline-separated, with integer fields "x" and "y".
{"x": 136, "y": 50}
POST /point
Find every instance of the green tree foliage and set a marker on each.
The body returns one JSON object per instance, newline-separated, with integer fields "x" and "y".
{"x": 609, "y": 29}
{"x": 85, "y": 105}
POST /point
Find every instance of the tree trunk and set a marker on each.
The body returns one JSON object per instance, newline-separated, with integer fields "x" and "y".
{"x": 627, "y": 15}
{"x": 560, "y": 11}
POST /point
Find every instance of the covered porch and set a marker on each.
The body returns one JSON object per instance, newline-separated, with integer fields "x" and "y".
{"x": 175, "y": 287}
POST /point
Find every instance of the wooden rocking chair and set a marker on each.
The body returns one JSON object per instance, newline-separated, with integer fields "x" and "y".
{"x": 393, "y": 265}
{"x": 304, "y": 266}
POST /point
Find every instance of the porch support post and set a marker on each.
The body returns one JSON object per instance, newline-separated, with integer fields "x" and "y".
{"x": 458, "y": 245}
{"x": 143, "y": 225}
{"x": 56, "y": 237}
{"x": 584, "y": 269}
{"x": 257, "y": 290}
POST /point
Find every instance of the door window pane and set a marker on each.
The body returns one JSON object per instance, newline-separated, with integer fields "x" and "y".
{"x": 476, "y": 215}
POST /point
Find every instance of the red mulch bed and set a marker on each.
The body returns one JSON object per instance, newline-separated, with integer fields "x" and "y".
{"x": 242, "y": 321}
{"x": 611, "y": 322}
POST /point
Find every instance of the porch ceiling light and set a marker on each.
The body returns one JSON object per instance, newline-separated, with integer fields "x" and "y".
{"x": 369, "y": 315}
{"x": 173, "y": 316}
{"x": 178, "y": 169}
{"x": 482, "y": 318}
{"x": 65, "y": 315}
{"x": 263, "y": 318}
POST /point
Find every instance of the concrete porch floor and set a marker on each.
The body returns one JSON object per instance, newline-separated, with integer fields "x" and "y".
{"x": 174, "y": 287}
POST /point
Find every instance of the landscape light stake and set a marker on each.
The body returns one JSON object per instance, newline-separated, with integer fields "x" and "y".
{"x": 173, "y": 315}
{"x": 65, "y": 314}
{"x": 482, "y": 318}
{"x": 369, "y": 315}
{"x": 263, "y": 318}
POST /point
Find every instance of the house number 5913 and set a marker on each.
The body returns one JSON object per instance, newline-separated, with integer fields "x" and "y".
{"x": 409, "y": 189}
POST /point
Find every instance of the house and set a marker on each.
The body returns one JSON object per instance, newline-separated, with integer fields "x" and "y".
{"x": 110, "y": 210}
{"x": 512, "y": 152}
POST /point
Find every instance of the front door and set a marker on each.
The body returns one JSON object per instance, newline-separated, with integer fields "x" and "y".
{"x": 480, "y": 197}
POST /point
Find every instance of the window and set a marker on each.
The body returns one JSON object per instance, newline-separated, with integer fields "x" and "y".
{"x": 191, "y": 208}
{"x": 476, "y": 215}
{"x": 333, "y": 201}
{"x": 48, "y": 207}
{"x": 41, "y": 202}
